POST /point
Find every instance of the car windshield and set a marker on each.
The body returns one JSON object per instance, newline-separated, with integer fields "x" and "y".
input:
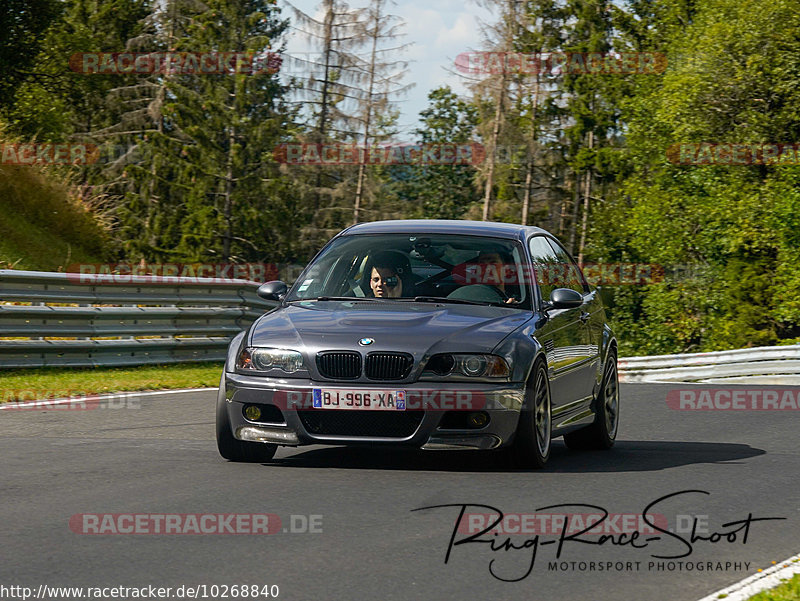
{"x": 423, "y": 268}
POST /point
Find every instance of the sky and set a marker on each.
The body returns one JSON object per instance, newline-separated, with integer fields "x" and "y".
{"x": 438, "y": 30}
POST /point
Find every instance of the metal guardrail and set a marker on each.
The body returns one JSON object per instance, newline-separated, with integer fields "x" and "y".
{"x": 71, "y": 319}
{"x": 63, "y": 318}
{"x": 767, "y": 364}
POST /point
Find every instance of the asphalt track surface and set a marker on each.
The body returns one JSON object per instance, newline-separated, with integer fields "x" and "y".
{"x": 161, "y": 458}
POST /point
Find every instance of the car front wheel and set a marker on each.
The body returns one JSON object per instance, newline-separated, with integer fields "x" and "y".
{"x": 531, "y": 448}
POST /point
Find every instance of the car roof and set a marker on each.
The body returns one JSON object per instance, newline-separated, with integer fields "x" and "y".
{"x": 444, "y": 226}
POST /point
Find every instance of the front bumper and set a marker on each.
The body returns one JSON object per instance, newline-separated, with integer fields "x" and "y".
{"x": 431, "y": 400}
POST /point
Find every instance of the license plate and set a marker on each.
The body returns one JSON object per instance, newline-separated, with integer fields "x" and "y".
{"x": 375, "y": 400}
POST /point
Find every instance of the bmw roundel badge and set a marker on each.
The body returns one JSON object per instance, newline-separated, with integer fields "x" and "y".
{"x": 366, "y": 341}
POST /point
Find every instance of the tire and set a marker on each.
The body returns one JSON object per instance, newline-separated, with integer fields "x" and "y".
{"x": 233, "y": 449}
{"x": 532, "y": 441}
{"x": 603, "y": 431}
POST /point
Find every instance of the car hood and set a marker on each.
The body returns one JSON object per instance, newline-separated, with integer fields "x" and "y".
{"x": 417, "y": 328}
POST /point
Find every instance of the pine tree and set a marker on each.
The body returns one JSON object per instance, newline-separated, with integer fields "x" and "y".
{"x": 233, "y": 121}
{"x": 328, "y": 102}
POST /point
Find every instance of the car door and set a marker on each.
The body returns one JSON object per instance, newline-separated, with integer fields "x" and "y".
{"x": 563, "y": 335}
{"x": 588, "y": 351}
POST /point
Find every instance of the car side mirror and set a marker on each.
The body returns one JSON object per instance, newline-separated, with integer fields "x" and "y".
{"x": 564, "y": 298}
{"x": 274, "y": 290}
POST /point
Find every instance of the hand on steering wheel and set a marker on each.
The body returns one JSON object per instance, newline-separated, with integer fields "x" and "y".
{"x": 508, "y": 300}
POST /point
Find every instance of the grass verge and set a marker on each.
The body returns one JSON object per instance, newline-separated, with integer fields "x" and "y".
{"x": 787, "y": 591}
{"x": 47, "y": 382}
{"x": 43, "y": 226}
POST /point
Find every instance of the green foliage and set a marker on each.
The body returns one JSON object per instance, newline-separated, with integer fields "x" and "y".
{"x": 207, "y": 187}
{"x": 54, "y": 102}
{"x": 23, "y": 23}
{"x": 732, "y": 78}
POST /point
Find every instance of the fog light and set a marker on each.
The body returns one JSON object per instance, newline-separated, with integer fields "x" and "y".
{"x": 252, "y": 413}
{"x": 478, "y": 419}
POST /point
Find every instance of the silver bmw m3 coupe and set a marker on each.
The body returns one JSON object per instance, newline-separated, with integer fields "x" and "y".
{"x": 426, "y": 334}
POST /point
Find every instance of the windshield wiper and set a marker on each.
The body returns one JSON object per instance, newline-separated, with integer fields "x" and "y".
{"x": 336, "y": 298}
{"x": 457, "y": 301}
{"x": 418, "y": 299}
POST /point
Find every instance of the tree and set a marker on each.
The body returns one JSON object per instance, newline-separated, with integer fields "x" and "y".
{"x": 442, "y": 191}
{"x": 145, "y": 174}
{"x": 55, "y": 103}
{"x": 233, "y": 121}
{"x": 23, "y": 23}
{"x": 380, "y": 78}
{"x": 731, "y": 78}
{"x": 328, "y": 100}
{"x": 493, "y": 90}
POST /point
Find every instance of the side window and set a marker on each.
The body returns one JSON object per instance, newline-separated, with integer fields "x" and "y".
{"x": 545, "y": 263}
{"x": 567, "y": 273}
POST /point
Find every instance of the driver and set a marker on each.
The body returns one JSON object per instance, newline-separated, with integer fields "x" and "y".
{"x": 494, "y": 265}
{"x": 389, "y": 270}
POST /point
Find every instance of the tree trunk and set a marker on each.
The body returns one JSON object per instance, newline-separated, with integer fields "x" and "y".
{"x": 228, "y": 210}
{"x": 363, "y": 153}
{"x": 487, "y": 191}
{"x": 562, "y": 217}
{"x": 586, "y": 193}
{"x": 573, "y": 226}
{"x": 323, "y": 112}
{"x": 526, "y": 202}
{"x": 510, "y": 17}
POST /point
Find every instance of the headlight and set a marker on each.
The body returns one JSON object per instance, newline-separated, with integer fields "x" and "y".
{"x": 465, "y": 367}
{"x": 264, "y": 359}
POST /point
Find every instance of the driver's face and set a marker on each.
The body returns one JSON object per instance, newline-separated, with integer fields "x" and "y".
{"x": 380, "y": 282}
{"x": 493, "y": 275}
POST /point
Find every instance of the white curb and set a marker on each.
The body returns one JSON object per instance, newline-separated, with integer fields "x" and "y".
{"x": 752, "y": 585}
